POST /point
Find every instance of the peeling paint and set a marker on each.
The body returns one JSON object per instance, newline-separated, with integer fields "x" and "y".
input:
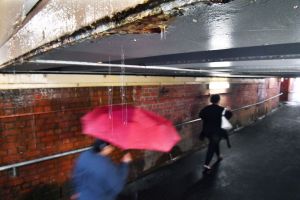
{"x": 146, "y": 17}
{"x": 56, "y": 19}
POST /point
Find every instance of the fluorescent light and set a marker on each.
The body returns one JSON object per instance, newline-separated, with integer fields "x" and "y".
{"x": 219, "y": 64}
{"x": 218, "y": 85}
{"x": 93, "y": 64}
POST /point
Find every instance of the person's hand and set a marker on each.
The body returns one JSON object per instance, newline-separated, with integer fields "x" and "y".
{"x": 74, "y": 196}
{"x": 228, "y": 108}
{"x": 127, "y": 158}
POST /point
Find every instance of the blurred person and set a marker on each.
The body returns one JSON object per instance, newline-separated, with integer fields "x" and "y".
{"x": 96, "y": 176}
{"x": 211, "y": 116}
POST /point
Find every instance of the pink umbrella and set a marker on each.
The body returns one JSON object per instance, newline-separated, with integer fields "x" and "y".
{"x": 130, "y": 127}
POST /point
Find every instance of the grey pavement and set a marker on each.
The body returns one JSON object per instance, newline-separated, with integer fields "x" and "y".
{"x": 263, "y": 164}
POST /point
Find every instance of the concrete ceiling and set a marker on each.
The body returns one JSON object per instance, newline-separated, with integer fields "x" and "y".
{"x": 239, "y": 38}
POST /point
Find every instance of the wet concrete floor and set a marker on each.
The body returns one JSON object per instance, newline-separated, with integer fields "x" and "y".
{"x": 263, "y": 164}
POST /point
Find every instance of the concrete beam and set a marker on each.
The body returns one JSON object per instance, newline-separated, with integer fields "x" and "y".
{"x": 54, "y": 19}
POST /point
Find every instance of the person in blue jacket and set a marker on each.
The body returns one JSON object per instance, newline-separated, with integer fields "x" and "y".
{"x": 96, "y": 176}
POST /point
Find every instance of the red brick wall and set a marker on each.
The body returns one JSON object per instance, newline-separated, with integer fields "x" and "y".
{"x": 42, "y": 122}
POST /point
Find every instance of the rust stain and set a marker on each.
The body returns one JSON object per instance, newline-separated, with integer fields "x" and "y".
{"x": 150, "y": 24}
{"x": 155, "y": 21}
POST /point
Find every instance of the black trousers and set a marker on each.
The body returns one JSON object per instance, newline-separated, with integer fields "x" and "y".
{"x": 213, "y": 148}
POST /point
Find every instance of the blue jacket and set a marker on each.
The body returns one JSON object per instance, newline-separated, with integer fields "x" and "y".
{"x": 96, "y": 177}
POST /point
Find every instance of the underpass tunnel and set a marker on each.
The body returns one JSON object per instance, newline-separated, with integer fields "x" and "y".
{"x": 61, "y": 59}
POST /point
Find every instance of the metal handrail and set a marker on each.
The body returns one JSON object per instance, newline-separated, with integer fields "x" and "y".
{"x": 20, "y": 164}
{"x": 241, "y": 108}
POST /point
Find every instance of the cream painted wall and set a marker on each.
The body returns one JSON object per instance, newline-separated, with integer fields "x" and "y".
{"x": 19, "y": 81}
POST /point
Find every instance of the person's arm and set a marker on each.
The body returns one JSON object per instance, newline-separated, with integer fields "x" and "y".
{"x": 201, "y": 114}
{"x": 124, "y": 168}
{"x": 75, "y": 181}
{"x": 202, "y": 134}
{"x": 117, "y": 179}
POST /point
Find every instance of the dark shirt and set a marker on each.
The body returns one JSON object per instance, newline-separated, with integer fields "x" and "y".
{"x": 96, "y": 177}
{"x": 211, "y": 116}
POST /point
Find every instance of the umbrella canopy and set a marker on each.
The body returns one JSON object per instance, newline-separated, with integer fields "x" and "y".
{"x": 130, "y": 127}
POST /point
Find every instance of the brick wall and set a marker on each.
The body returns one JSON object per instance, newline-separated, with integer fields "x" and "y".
{"x": 42, "y": 122}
